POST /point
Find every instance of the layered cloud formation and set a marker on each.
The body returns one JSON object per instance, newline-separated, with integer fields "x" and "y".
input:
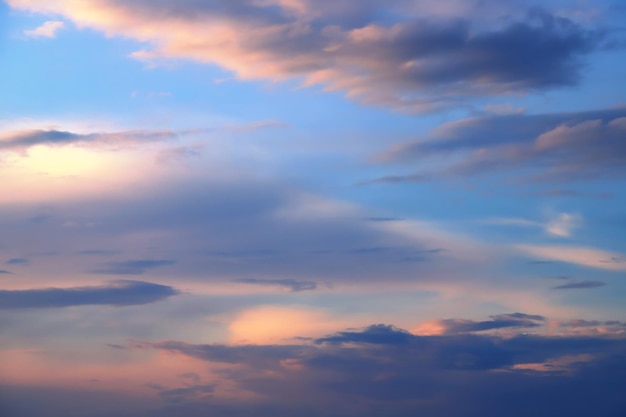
{"x": 547, "y": 148}
{"x": 225, "y": 166}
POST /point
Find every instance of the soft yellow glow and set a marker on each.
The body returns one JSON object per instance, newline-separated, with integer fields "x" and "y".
{"x": 63, "y": 161}
{"x": 274, "y": 324}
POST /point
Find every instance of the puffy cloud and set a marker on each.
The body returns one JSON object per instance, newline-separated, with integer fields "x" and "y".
{"x": 391, "y": 54}
{"x": 117, "y": 293}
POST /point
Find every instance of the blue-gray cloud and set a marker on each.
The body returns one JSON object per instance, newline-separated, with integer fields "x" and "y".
{"x": 132, "y": 267}
{"x": 22, "y": 140}
{"x": 118, "y": 293}
{"x": 390, "y": 371}
{"x": 17, "y": 261}
{"x": 549, "y": 147}
{"x": 575, "y": 285}
{"x": 292, "y": 284}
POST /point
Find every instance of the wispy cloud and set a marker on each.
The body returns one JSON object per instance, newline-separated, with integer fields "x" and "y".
{"x": 132, "y": 267}
{"x": 117, "y": 293}
{"x": 561, "y": 225}
{"x": 292, "y": 284}
{"x": 22, "y": 140}
{"x": 48, "y": 29}
{"x": 499, "y": 322}
{"x": 17, "y": 261}
{"x": 590, "y": 257}
{"x": 545, "y": 148}
{"x": 576, "y": 285}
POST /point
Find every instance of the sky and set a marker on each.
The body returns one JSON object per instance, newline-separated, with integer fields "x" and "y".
{"x": 312, "y": 208}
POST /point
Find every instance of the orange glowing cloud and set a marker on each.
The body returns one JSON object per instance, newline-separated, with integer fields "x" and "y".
{"x": 274, "y": 324}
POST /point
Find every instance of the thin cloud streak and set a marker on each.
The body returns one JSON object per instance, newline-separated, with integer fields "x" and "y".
{"x": 117, "y": 293}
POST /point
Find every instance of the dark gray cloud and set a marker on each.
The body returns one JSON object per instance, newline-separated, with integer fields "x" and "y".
{"x": 2, "y": 271}
{"x": 292, "y": 284}
{"x": 579, "y": 285}
{"x": 132, "y": 267}
{"x": 551, "y": 147}
{"x": 118, "y": 293}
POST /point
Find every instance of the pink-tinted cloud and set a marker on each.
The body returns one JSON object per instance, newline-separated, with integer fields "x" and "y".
{"x": 391, "y": 54}
{"x": 48, "y": 29}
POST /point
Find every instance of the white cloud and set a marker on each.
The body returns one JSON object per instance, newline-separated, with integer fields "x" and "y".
{"x": 47, "y": 30}
{"x": 594, "y": 258}
{"x": 561, "y": 225}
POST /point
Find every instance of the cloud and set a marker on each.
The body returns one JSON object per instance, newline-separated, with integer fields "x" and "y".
{"x": 384, "y": 369}
{"x": 589, "y": 257}
{"x": 292, "y": 284}
{"x": 589, "y": 327}
{"x": 180, "y": 153}
{"x": 2, "y": 271}
{"x": 375, "y": 334}
{"x": 561, "y": 225}
{"x": 98, "y": 252}
{"x": 220, "y": 231}
{"x": 564, "y": 147}
{"x": 48, "y": 29}
{"x": 117, "y": 293}
{"x": 193, "y": 393}
{"x": 459, "y": 326}
{"x": 132, "y": 267}
{"x": 393, "y": 54}
{"x": 580, "y": 285}
{"x": 504, "y": 321}
{"x": 21, "y": 140}
{"x": 17, "y": 261}
{"x": 560, "y": 192}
